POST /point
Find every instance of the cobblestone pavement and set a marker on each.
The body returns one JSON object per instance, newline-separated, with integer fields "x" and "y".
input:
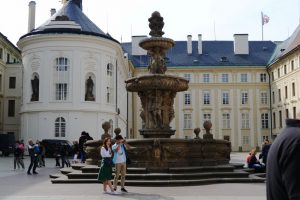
{"x": 17, "y": 185}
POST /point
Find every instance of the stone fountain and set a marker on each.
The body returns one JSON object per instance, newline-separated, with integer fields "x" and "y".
{"x": 157, "y": 152}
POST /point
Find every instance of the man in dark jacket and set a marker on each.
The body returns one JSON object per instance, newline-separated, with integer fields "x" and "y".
{"x": 283, "y": 164}
{"x": 33, "y": 158}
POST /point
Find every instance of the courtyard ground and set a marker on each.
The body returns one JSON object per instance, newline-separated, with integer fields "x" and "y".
{"x": 17, "y": 185}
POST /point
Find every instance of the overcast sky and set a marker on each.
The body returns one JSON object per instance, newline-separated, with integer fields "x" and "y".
{"x": 214, "y": 19}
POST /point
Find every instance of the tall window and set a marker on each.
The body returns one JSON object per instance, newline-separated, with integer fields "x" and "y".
{"x": 245, "y": 140}
{"x": 245, "y": 121}
{"x": 62, "y": 64}
{"x": 225, "y": 98}
{"x": 244, "y": 97}
{"x": 206, "y": 98}
{"x": 278, "y": 72}
{"x": 272, "y": 74}
{"x": 264, "y": 98}
{"x": 109, "y": 69}
{"x": 61, "y": 78}
{"x": 294, "y": 112}
{"x": 226, "y": 120}
{"x": 0, "y": 82}
{"x": 60, "y": 127}
{"x": 293, "y": 89}
{"x": 263, "y": 77}
{"x": 292, "y": 65}
{"x": 225, "y": 78}
{"x": 187, "y": 99}
{"x": 1, "y": 53}
{"x": 12, "y": 82}
{"x": 264, "y": 120}
{"x": 11, "y": 108}
{"x": 286, "y": 92}
{"x": 279, "y": 95}
{"x": 280, "y": 119}
{"x": 61, "y": 91}
{"x": 187, "y": 121}
{"x": 188, "y": 77}
{"x": 274, "y": 120}
{"x": 206, "y": 78}
{"x": 273, "y": 97}
{"x": 244, "y": 78}
{"x": 108, "y": 95}
{"x": 284, "y": 69}
{"x": 287, "y": 113}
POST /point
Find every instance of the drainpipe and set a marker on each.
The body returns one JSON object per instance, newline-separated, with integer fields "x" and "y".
{"x": 270, "y": 102}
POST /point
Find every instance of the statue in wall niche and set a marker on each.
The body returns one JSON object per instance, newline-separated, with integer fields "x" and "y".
{"x": 89, "y": 96}
{"x": 35, "y": 84}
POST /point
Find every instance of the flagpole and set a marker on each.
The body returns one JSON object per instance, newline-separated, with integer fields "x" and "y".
{"x": 262, "y": 27}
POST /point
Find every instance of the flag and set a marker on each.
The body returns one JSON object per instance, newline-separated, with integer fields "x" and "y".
{"x": 264, "y": 19}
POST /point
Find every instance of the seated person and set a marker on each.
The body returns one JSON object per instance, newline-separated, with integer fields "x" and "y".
{"x": 254, "y": 163}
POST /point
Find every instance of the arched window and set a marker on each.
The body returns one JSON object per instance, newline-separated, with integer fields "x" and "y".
{"x": 61, "y": 78}
{"x": 60, "y": 127}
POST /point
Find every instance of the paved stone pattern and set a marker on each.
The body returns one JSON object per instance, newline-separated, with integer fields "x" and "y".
{"x": 17, "y": 185}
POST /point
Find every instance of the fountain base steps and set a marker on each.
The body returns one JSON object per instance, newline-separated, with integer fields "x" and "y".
{"x": 179, "y": 176}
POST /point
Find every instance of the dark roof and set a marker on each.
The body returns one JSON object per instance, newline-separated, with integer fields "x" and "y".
{"x": 287, "y": 46}
{"x": 73, "y": 11}
{"x": 215, "y": 53}
{"x": 9, "y": 42}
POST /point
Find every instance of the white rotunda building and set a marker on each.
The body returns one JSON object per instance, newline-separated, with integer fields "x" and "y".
{"x": 73, "y": 77}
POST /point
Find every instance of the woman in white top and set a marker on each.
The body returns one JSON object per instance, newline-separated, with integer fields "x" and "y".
{"x": 105, "y": 172}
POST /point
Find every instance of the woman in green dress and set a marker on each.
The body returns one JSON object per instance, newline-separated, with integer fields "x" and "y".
{"x": 105, "y": 172}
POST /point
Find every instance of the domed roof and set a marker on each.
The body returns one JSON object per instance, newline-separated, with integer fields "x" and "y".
{"x": 70, "y": 19}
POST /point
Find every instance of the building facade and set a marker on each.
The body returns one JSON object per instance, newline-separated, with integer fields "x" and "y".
{"x": 10, "y": 87}
{"x": 73, "y": 78}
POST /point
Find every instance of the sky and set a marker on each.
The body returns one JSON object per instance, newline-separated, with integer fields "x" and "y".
{"x": 214, "y": 19}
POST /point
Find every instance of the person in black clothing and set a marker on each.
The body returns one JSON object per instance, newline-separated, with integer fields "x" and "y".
{"x": 18, "y": 156}
{"x": 265, "y": 151}
{"x": 83, "y": 138}
{"x": 64, "y": 156}
{"x": 283, "y": 163}
{"x": 57, "y": 155}
{"x": 33, "y": 158}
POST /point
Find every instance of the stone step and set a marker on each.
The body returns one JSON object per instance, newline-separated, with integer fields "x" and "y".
{"x": 160, "y": 183}
{"x": 166, "y": 176}
{"x": 219, "y": 168}
{"x": 95, "y": 169}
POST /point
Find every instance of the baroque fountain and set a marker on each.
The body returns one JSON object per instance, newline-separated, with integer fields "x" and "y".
{"x": 157, "y": 151}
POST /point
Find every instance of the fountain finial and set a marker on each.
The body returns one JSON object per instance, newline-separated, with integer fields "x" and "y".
{"x": 156, "y": 24}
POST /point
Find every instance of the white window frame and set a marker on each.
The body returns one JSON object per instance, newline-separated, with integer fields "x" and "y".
{"x": 245, "y": 97}
{"x": 187, "y": 98}
{"x": 263, "y": 77}
{"x": 225, "y": 78}
{"x": 245, "y": 121}
{"x": 187, "y": 123}
{"x": 244, "y": 78}
{"x": 264, "y": 98}
{"x": 206, "y": 78}
{"x": 206, "y": 98}
{"x": 225, "y": 98}
{"x": 61, "y": 91}
{"x": 60, "y": 127}
{"x": 206, "y": 117}
{"x": 245, "y": 140}
{"x": 226, "y": 120}
{"x": 264, "y": 120}
{"x": 188, "y": 77}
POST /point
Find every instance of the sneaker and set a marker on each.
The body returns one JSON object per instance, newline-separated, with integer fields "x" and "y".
{"x": 113, "y": 192}
{"x": 123, "y": 190}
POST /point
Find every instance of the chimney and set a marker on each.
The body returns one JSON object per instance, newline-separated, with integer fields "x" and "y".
{"x": 135, "y": 47}
{"x": 52, "y": 11}
{"x": 31, "y": 16}
{"x": 241, "y": 44}
{"x": 199, "y": 44}
{"x": 189, "y": 44}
